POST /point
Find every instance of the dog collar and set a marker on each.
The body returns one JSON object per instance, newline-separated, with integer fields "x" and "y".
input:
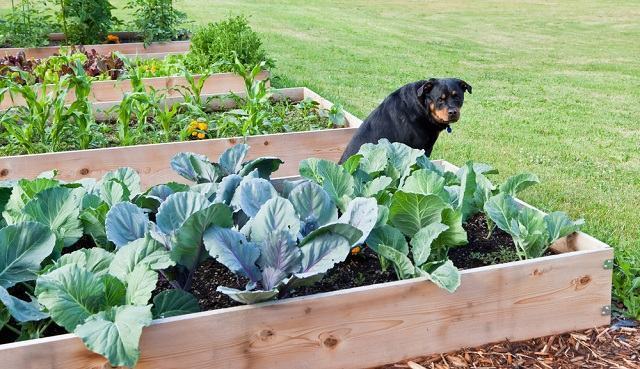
{"x": 449, "y": 130}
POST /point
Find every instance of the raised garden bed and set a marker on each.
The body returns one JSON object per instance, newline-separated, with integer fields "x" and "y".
{"x": 371, "y": 325}
{"x": 156, "y": 50}
{"x": 113, "y": 91}
{"x": 151, "y": 160}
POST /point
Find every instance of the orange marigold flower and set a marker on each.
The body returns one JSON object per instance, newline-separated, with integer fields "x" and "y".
{"x": 203, "y": 126}
{"x": 200, "y": 135}
{"x": 113, "y": 39}
{"x": 356, "y": 250}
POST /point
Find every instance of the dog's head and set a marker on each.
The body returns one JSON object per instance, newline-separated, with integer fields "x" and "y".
{"x": 443, "y": 99}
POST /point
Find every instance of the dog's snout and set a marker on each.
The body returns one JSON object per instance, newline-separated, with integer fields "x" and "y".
{"x": 453, "y": 112}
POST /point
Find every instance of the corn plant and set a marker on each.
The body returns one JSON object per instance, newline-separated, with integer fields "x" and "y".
{"x": 43, "y": 123}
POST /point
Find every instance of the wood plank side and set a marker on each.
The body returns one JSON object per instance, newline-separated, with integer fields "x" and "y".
{"x": 366, "y": 326}
{"x": 129, "y": 49}
{"x": 152, "y": 161}
{"x": 112, "y": 91}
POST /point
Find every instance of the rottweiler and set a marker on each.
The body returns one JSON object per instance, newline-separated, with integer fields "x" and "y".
{"x": 414, "y": 115}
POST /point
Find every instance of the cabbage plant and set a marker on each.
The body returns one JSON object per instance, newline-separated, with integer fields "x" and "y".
{"x": 105, "y": 298}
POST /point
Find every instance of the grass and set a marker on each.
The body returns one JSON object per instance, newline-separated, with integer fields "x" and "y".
{"x": 556, "y": 86}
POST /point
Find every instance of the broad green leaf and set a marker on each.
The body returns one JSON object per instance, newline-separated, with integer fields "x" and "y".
{"x": 389, "y": 236}
{"x": 95, "y": 260}
{"x": 514, "y": 184}
{"x": 20, "y": 310}
{"x": 446, "y": 276}
{"x": 560, "y": 225}
{"x": 383, "y": 216}
{"x": 349, "y": 232}
{"x": 531, "y": 234}
{"x": 322, "y": 253}
{"x": 313, "y": 205}
{"x": 309, "y": 169}
{"x": 362, "y": 213}
{"x": 422, "y": 240}
{"x": 232, "y": 158}
{"x": 279, "y": 257}
{"x": 352, "y": 164}
{"x": 71, "y": 294}
{"x": 114, "y": 191}
{"x": 411, "y": 212}
{"x": 401, "y": 158}
{"x": 115, "y": 333}
{"x": 144, "y": 251}
{"x": 455, "y": 234}
{"x": 93, "y": 220}
{"x": 23, "y": 192}
{"x": 115, "y": 291}
{"x": 178, "y": 208}
{"x": 425, "y": 182}
{"x": 374, "y": 187}
{"x": 374, "y": 158}
{"x": 22, "y": 248}
{"x": 252, "y": 194}
{"x": 276, "y": 214}
{"x": 466, "y": 200}
{"x": 195, "y": 167}
{"x": 59, "y": 209}
{"x": 248, "y": 297}
{"x": 501, "y": 209}
{"x": 230, "y": 248}
{"x": 125, "y": 222}
{"x": 187, "y": 244}
{"x": 174, "y": 302}
{"x": 127, "y": 176}
{"x": 265, "y": 166}
{"x": 207, "y": 189}
{"x": 401, "y": 263}
{"x": 140, "y": 284}
{"x": 227, "y": 188}
{"x": 336, "y": 181}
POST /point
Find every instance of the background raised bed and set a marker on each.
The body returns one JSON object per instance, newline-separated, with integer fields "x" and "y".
{"x": 151, "y": 160}
{"x": 112, "y": 91}
{"x": 156, "y": 50}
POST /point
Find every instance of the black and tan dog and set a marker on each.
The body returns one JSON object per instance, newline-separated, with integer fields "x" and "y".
{"x": 414, "y": 115}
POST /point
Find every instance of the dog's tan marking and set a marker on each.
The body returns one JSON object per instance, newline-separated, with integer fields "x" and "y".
{"x": 441, "y": 115}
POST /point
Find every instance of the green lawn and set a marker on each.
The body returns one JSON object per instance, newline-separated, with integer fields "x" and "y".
{"x": 556, "y": 85}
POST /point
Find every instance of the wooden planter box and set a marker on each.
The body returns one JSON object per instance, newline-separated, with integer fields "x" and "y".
{"x": 155, "y": 50}
{"x": 152, "y": 161}
{"x": 112, "y": 91}
{"x": 372, "y": 325}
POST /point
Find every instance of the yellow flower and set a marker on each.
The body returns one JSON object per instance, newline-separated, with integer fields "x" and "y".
{"x": 153, "y": 69}
{"x": 194, "y": 123}
{"x": 203, "y": 126}
{"x": 200, "y": 135}
{"x": 356, "y": 250}
{"x": 194, "y": 133}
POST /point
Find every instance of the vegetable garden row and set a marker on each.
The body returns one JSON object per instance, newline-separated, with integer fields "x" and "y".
{"x": 118, "y": 227}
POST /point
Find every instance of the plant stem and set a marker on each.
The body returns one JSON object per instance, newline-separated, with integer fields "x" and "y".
{"x": 13, "y": 329}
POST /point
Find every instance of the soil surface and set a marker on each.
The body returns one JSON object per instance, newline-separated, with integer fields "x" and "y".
{"x": 361, "y": 269}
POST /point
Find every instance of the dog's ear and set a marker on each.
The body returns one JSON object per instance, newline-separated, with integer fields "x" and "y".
{"x": 426, "y": 87}
{"x": 464, "y": 85}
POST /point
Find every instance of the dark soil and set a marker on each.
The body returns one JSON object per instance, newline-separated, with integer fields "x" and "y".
{"x": 358, "y": 270}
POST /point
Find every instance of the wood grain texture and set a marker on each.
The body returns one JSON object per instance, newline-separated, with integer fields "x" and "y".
{"x": 152, "y": 161}
{"x": 367, "y": 326}
{"x": 131, "y": 49}
{"x": 113, "y": 91}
